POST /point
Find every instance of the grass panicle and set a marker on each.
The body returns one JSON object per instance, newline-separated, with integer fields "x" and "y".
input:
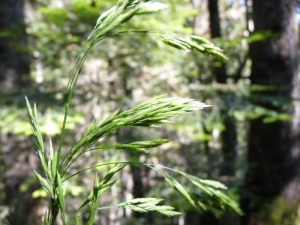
{"x": 151, "y": 113}
{"x": 190, "y": 43}
{"x": 206, "y": 193}
{"x": 143, "y": 205}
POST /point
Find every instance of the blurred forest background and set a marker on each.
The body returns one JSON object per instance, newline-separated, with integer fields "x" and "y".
{"x": 249, "y": 139}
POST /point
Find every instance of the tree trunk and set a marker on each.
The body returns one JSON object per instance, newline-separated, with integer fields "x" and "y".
{"x": 228, "y": 136}
{"x": 17, "y": 159}
{"x": 214, "y": 18}
{"x": 272, "y": 182}
{"x": 219, "y": 70}
{"x": 14, "y": 66}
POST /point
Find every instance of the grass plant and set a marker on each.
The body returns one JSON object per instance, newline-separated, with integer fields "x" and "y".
{"x": 156, "y": 111}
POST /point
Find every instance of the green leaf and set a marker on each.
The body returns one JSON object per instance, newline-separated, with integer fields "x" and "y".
{"x": 92, "y": 213}
{"x": 60, "y": 193}
{"x": 43, "y": 162}
{"x": 140, "y": 146}
{"x": 54, "y": 163}
{"x": 29, "y": 108}
{"x": 50, "y": 173}
{"x": 96, "y": 188}
{"x": 104, "y": 187}
{"x": 51, "y": 154}
{"x": 189, "y": 43}
{"x": 112, "y": 172}
{"x": 45, "y": 184}
{"x": 94, "y": 201}
{"x": 34, "y": 126}
{"x": 77, "y": 221}
{"x": 183, "y": 190}
{"x": 211, "y": 183}
{"x": 101, "y": 190}
{"x": 46, "y": 222}
{"x": 209, "y": 195}
{"x": 146, "y": 205}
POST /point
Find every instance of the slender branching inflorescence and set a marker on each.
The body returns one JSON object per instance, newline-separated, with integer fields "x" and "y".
{"x": 189, "y": 43}
{"x": 148, "y": 114}
{"x": 152, "y": 113}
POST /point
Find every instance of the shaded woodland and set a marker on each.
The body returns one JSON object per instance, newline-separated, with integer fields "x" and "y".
{"x": 249, "y": 139}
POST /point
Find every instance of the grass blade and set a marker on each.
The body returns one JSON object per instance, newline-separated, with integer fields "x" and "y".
{"x": 45, "y": 184}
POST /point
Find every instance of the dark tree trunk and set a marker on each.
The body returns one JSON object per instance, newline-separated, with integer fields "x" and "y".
{"x": 219, "y": 70}
{"x": 14, "y": 66}
{"x": 272, "y": 182}
{"x": 228, "y": 136}
{"x": 214, "y": 18}
{"x": 229, "y": 145}
{"x": 16, "y": 156}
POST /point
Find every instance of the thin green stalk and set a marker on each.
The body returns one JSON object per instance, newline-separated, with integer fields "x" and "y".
{"x": 101, "y": 164}
{"x": 70, "y": 89}
{"x": 114, "y": 17}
